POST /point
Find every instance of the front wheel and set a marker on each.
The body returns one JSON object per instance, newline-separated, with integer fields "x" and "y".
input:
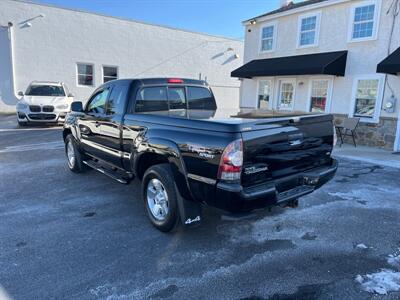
{"x": 160, "y": 197}
{"x": 74, "y": 156}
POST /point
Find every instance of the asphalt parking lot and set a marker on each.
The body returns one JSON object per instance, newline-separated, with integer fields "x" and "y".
{"x": 64, "y": 235}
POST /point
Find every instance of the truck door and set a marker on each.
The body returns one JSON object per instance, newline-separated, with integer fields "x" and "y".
{"x": 89, "y": 124}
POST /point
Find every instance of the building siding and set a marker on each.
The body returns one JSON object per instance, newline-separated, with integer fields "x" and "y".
{"x": 50, "y": 49}
{"x": 363, "y": 58}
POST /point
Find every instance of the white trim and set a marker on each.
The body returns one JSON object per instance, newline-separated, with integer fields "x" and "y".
{"x": 271, "y": 92}
{"x": 375, "y": 29}
{"x": 316, "y": 14}
{"x": 108, "y": 66}
{"x": 295, "y": 11}
{"x": 278, "y": 98}
{"x": 274, "y": 35}
{"x": 77, "y": 77}
{"x": 397, "y": 140}
{"x": 379, "y": 99}
{"x": 328, "y": 92}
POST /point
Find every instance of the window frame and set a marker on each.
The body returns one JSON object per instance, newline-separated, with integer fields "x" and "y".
{"x": 376, "y": 21}
{"x": 272, "y": 91}
{"x": 278, "y": 92}
{"x": 317, "y": 29}
{"x": 328, "y": 96}
{"x": 378, "y": 102}
{"x": 274, "y": 37}
{"x": 77, "y": 74}
{"x": 108, "y": 66}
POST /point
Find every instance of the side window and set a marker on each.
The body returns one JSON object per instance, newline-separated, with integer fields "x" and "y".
{"x": 176, "y": 98}
{"x": 97, "y": 104}
{"x": 200, "y": 98}
{"x": 115, "y": 104}
{"x": 151, "y": 99}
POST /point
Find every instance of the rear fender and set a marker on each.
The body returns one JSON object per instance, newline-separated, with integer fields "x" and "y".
{"x": 189, "y": 209}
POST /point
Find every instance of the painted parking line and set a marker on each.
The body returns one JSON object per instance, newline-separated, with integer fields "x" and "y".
{"x": 33, "y": 147}
{"x": 29, "y": 129}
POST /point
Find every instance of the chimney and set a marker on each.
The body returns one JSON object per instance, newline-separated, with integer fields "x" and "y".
{"x": 284, "y": 3}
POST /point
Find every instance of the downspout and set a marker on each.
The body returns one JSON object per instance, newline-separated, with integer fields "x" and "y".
{"x": 11, "y": 38}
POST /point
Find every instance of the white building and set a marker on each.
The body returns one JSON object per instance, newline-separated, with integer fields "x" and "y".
{"x": 345, "y": 83}
{"x": 46, "y": 43}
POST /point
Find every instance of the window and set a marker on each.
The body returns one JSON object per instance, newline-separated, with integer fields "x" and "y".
{"x": 109, "y": 73}
{"x": 264, "y": 94}
{"x": 45, "y": 90}
{"x": 308, "y": 30}
{"x": 176, "y": 98}
{"x": 115, "y": 104}
{"x": 85, "y": 74}
{"x": 152, "y": 99}
{"x": 363, "y": 21}
{"x": 200, "y": 98}
{"x": 286, "y": 94}
{"x": 319, "y": 95}
{"x": 367, "y": 98}
{"x": 97, "y": 104}
{"x": 267, "y": 38}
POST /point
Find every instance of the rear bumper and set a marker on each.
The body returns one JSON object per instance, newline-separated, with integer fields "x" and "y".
{"x": 235, "y": 198}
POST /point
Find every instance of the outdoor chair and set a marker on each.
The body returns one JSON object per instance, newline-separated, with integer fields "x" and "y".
{"x": 348, "y": 128}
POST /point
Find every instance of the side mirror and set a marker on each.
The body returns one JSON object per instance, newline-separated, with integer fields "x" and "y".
{"x": 71, "y": 95}
{"x": 20, "y": 93}
{"x": 77, "y": 106}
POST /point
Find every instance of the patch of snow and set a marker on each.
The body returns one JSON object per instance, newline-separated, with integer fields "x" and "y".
{"x": 381, "y": 282}
{"x": 394, "y": 261}
{"x": 361, "y": 246}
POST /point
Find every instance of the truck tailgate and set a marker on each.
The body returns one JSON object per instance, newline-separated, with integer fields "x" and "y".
{"x": 286, "y": 147}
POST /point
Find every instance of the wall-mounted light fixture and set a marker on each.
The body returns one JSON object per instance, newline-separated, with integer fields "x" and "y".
{"x": 27, "y": 23}
{"x": 253, "y": 22}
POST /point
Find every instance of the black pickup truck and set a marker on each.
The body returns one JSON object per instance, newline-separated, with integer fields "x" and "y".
{"x": 169, "y": 134}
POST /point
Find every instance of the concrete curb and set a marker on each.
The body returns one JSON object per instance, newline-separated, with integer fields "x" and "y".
{"x": 385, "y": 163}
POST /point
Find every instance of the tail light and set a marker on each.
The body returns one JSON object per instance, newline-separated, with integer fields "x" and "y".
{"x": 175, "y": 80}
{"x": 231, "y": 163}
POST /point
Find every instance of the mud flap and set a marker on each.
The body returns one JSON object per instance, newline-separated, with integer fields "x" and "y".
{"x": 189, "y": 211}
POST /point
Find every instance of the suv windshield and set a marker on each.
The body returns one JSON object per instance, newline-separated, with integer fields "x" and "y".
{"x": 45, "y": 90}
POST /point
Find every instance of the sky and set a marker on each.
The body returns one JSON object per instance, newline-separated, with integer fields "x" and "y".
{"x": 216, "y": 17}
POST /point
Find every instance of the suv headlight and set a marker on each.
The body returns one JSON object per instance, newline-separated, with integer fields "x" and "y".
{"x": 22, "y": 105}
{"x": 62, "y": 106}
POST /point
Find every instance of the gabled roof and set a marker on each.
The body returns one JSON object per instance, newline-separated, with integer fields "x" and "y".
{"x": 288, "y": 7}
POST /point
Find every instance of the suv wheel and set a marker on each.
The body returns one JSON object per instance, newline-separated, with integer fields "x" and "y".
{"x": 160, "y": 197}
{"x": 74, "y": 156}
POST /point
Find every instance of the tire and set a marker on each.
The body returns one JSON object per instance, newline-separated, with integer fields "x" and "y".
{"x": 159, "y": 179}
{"x": 74, "y": 155}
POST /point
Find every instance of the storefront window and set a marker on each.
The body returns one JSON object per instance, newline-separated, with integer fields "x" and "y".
{"x": 319, "y": 95}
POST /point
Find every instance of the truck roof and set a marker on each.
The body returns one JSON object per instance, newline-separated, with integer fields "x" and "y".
{"x": 55, "y": 83}
{"x": 165, "y": 80}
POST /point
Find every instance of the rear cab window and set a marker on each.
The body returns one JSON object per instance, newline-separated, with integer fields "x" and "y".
{"x": 151, "y": 99}
{"x": 200, "y": 98}
{"x": 166, "y": 98}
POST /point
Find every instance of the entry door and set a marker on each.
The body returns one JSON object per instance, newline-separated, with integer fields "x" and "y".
{"x": 286, "y": 94}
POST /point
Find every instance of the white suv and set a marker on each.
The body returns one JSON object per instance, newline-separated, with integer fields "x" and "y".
{"x": 44, "y": 102}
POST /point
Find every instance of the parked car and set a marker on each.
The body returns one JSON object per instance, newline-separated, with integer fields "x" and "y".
{"x": 46, "y": 102}
{"x": 169, "y": 134}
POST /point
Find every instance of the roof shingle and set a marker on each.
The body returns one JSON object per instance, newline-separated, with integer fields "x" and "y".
{"x": 288, "y": 7}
